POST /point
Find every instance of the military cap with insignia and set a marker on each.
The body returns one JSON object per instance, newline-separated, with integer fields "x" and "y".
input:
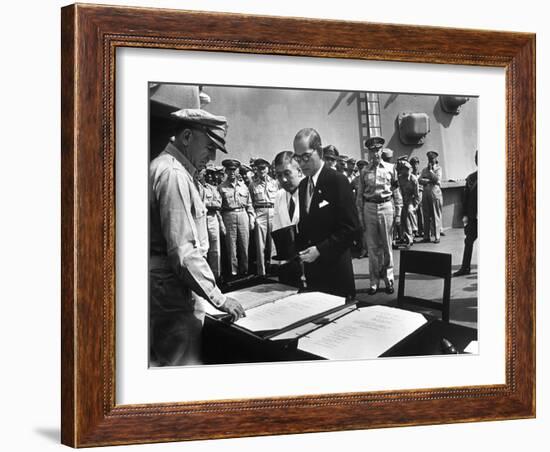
{"x": 362, "y": 163}
{"x": 214, "y": 126}
{"x": 432, "y": 154}
{"x": 231, "y": 164}
{"x": 375, "y": 141}
{"x": 244, "y": 169}
{"x": 261, "y": 162}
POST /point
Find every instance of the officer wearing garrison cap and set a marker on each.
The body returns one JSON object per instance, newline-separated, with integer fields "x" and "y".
{"x": 263, "y": 190}
{"x": 432, "y": 197}
{"x": 238, "y": 217}
{"x": 377, "y": 182}
{"x": 179, "y": 274}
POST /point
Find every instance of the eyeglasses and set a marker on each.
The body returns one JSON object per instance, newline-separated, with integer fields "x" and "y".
{"x": 303, "y": 157}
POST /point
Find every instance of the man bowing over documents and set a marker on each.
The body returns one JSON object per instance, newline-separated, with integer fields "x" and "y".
{"x": 328, "y": 220}
{"x": 286, "y": 217}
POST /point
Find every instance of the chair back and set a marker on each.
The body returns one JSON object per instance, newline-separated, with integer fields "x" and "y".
{"x": 431, "y": 264}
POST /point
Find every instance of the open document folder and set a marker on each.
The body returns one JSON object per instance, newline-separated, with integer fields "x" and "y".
{"x": 363, "y": 333}
{"x": 275, "y": 306}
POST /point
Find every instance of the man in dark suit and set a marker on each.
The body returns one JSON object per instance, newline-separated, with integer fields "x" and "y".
{"x": 469, "y": 219}
{"x": 328, "y": 220}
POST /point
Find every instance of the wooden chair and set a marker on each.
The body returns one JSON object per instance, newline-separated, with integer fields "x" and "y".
{"x": 426, "y": 263}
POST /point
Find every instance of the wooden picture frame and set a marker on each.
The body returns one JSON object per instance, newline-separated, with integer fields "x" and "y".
{"x": 90, "y": 37}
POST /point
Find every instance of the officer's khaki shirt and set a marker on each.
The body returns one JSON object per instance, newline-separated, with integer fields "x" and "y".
{"x": 375, "y": 183}
{"x": 430, "y": 178}
{"x": 211, "y": 197}
{"x": 178, "y": 233}
{"x": 432, "y": 174}
{"x": 263, "y": 191}
{"x": 235, "y": 195}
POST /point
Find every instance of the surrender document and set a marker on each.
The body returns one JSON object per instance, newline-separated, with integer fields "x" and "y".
{"x": 289, "y": 310}
{"x": 252, "y": 297}
{"x": 362, "y": 334}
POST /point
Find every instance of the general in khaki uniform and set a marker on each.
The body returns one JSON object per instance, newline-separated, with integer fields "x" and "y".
{"x": 263, "y": 190}
{"x": 376, "y": 184}
{"x": 432, "y": 197}
{"x": 179, "y": 275}
{"x": 213, "y": 202}
{"x": 238, "y": 217}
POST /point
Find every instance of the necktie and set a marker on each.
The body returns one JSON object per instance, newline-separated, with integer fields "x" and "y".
{"x": 291, "y": 207}
{"x": 310, "y": 188}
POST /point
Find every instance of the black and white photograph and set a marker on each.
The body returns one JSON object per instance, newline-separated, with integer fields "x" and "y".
{"x": 294, "y": 224}
{"x": 235, "y": 225}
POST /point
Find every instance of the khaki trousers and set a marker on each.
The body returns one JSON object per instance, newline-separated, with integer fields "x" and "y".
{"x": 432, "y": 201}
{"x": 262, "y": 235}
{"x": 378, "y": 220}
{"x": 237, "y": 238}
{"x": 408, "y": 222}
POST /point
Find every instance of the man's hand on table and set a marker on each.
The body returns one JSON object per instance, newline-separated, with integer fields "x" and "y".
{"x": 233, "y": 308}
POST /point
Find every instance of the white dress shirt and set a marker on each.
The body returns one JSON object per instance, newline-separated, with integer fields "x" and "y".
{"x": 281, "y": 217}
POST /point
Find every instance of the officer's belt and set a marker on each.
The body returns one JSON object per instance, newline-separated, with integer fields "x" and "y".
{"x": 232, "y": 209}
{"x": 265, "y": 205}
{"x": 378, "y": 201}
